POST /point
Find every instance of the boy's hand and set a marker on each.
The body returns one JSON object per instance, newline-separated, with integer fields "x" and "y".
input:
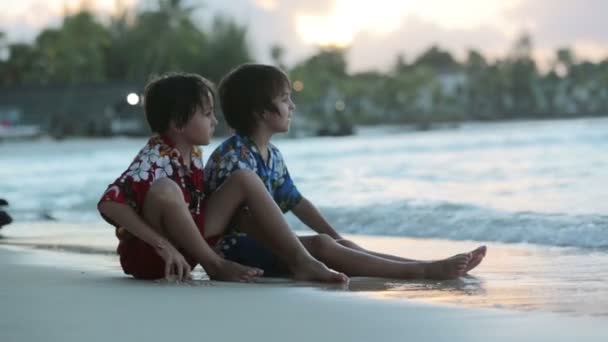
{"x": 175, "y": 263}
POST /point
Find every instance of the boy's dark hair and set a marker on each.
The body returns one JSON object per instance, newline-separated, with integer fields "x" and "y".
{"x": 175, "y": 96}
{"x": 247, "y": 90}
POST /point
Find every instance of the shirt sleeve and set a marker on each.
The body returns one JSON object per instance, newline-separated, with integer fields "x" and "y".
{"x": 130, "y": 188}
{"x": 286, "y": 194}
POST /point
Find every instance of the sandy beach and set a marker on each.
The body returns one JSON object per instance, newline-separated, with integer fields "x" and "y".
{"x": 63, "y": 293}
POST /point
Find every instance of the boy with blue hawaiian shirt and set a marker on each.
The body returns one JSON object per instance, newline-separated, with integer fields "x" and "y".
{"x": 256, "y": 102}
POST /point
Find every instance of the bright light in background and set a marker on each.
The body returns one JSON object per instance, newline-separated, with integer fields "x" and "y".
{"x": 298, "y": 85}
{"x": 132, "y": 99}
{"x": 351, "y": 17}
{"x": 340, "y": 105}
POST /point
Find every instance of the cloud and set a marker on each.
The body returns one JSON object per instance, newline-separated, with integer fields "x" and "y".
{"x": 416, "y": 35}
{"x": 268, "y": 25}
{"x": 563, "y": 21}
{"x": 493, "y": 29}
{"x": 552, "y": 24}
{"x": 23, "y": 20}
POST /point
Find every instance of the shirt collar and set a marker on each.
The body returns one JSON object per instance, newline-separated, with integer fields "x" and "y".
{"x": 247, "y": 140}
{"x": 166, "y": 143}
{"x": 254, "y": 148}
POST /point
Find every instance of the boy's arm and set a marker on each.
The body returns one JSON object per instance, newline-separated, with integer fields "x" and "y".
{"x": 126, "y": 217}
{"x": 312, "y": 217}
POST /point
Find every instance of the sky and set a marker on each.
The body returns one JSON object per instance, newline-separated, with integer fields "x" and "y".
{"x": 375, "y": 31}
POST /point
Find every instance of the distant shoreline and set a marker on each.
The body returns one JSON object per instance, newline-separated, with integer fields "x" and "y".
{"x": 357, "y": 129}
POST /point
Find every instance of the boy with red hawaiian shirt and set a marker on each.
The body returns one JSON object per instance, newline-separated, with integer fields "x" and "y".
{"x": 158, "y": 159}
{"x": 164, "y": 223}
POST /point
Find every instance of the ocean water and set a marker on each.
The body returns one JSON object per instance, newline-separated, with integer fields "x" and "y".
{"x": 535, "y": 192}
{"x": 539, "y": 182}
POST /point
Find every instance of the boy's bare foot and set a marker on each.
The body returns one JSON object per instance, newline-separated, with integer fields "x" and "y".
{"x": 449, "y": 268}
{"x": 477, "y": 256}
{"x": 314, "y": 270}
{"x": 231, "y": 271}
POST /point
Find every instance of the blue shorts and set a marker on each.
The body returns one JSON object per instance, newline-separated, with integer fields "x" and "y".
{"x": 245, "y": 250}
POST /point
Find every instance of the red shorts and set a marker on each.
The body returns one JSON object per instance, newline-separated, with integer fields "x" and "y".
{"x": 140, "y": 260}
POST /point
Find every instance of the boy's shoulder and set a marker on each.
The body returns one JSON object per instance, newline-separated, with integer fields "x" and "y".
{"x": 158, "y": 143}
{"x": 233, "y": 148}
{"x": 276, "y": 153}
{"x": 273, "y": 148}
{"x": 159, "y": 157}
{"x": 157, "y": 148}
{"x": 232, "y": 144}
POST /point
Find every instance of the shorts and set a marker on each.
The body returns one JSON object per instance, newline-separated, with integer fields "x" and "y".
{"x": 141, "y": 261}
{"x": 245, "y": 250}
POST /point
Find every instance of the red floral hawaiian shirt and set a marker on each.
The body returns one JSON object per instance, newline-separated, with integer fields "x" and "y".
{"x": 158, "y": 159}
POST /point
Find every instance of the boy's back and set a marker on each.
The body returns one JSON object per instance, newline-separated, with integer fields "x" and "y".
{"x": 156, "y": 160}
{"x": 240, "y": 153}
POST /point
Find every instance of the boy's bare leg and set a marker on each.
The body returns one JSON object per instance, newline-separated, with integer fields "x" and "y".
{"x": 477, "y": 254}
{"x": 244, "y": 187}
{"x": 352, "y": 245}
{"x": 357, "y": 263}
{"x": 166, "y": 212}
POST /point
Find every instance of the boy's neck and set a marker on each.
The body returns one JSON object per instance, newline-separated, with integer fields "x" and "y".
{"x": 261, "y": 137}
{"x": 184, "y": 148}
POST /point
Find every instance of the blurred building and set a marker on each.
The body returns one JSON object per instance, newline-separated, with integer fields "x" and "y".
{"x": 86, "y": 109}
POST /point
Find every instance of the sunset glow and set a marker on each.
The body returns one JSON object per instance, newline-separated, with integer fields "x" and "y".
{"x": 268, "y": 5}
{"x": 348, "y": 18}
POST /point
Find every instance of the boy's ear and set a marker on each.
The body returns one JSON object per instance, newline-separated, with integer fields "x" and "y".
{"x": 267, "y": 113}
{"x": 173, "y": 127}
{"x": 261, "y": 115}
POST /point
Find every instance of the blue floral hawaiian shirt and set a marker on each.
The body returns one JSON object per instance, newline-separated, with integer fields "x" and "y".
{"x": 240, "y": 153}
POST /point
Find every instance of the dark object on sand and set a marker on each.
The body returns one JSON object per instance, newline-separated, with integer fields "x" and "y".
{"x": 4, "y": 216}
{"x": 4, "y": 219}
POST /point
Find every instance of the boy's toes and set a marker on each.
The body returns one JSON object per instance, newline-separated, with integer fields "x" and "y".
{"x": 478, "y": 255}
{"x": 253, "y": 272}
{"x": 340, "y": 277}
{"x": 480, "y": 251}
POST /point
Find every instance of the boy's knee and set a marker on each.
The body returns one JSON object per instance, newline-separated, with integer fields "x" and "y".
{"x": 165, "y": 190}
{"x": 244, "y": 177}
{"x": 322, "y": 242}
{"x": 345, "y": 242}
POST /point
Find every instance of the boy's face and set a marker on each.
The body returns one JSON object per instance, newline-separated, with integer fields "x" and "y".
{"x": 199, "y": 129}
{"x": 279, "y": 122}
